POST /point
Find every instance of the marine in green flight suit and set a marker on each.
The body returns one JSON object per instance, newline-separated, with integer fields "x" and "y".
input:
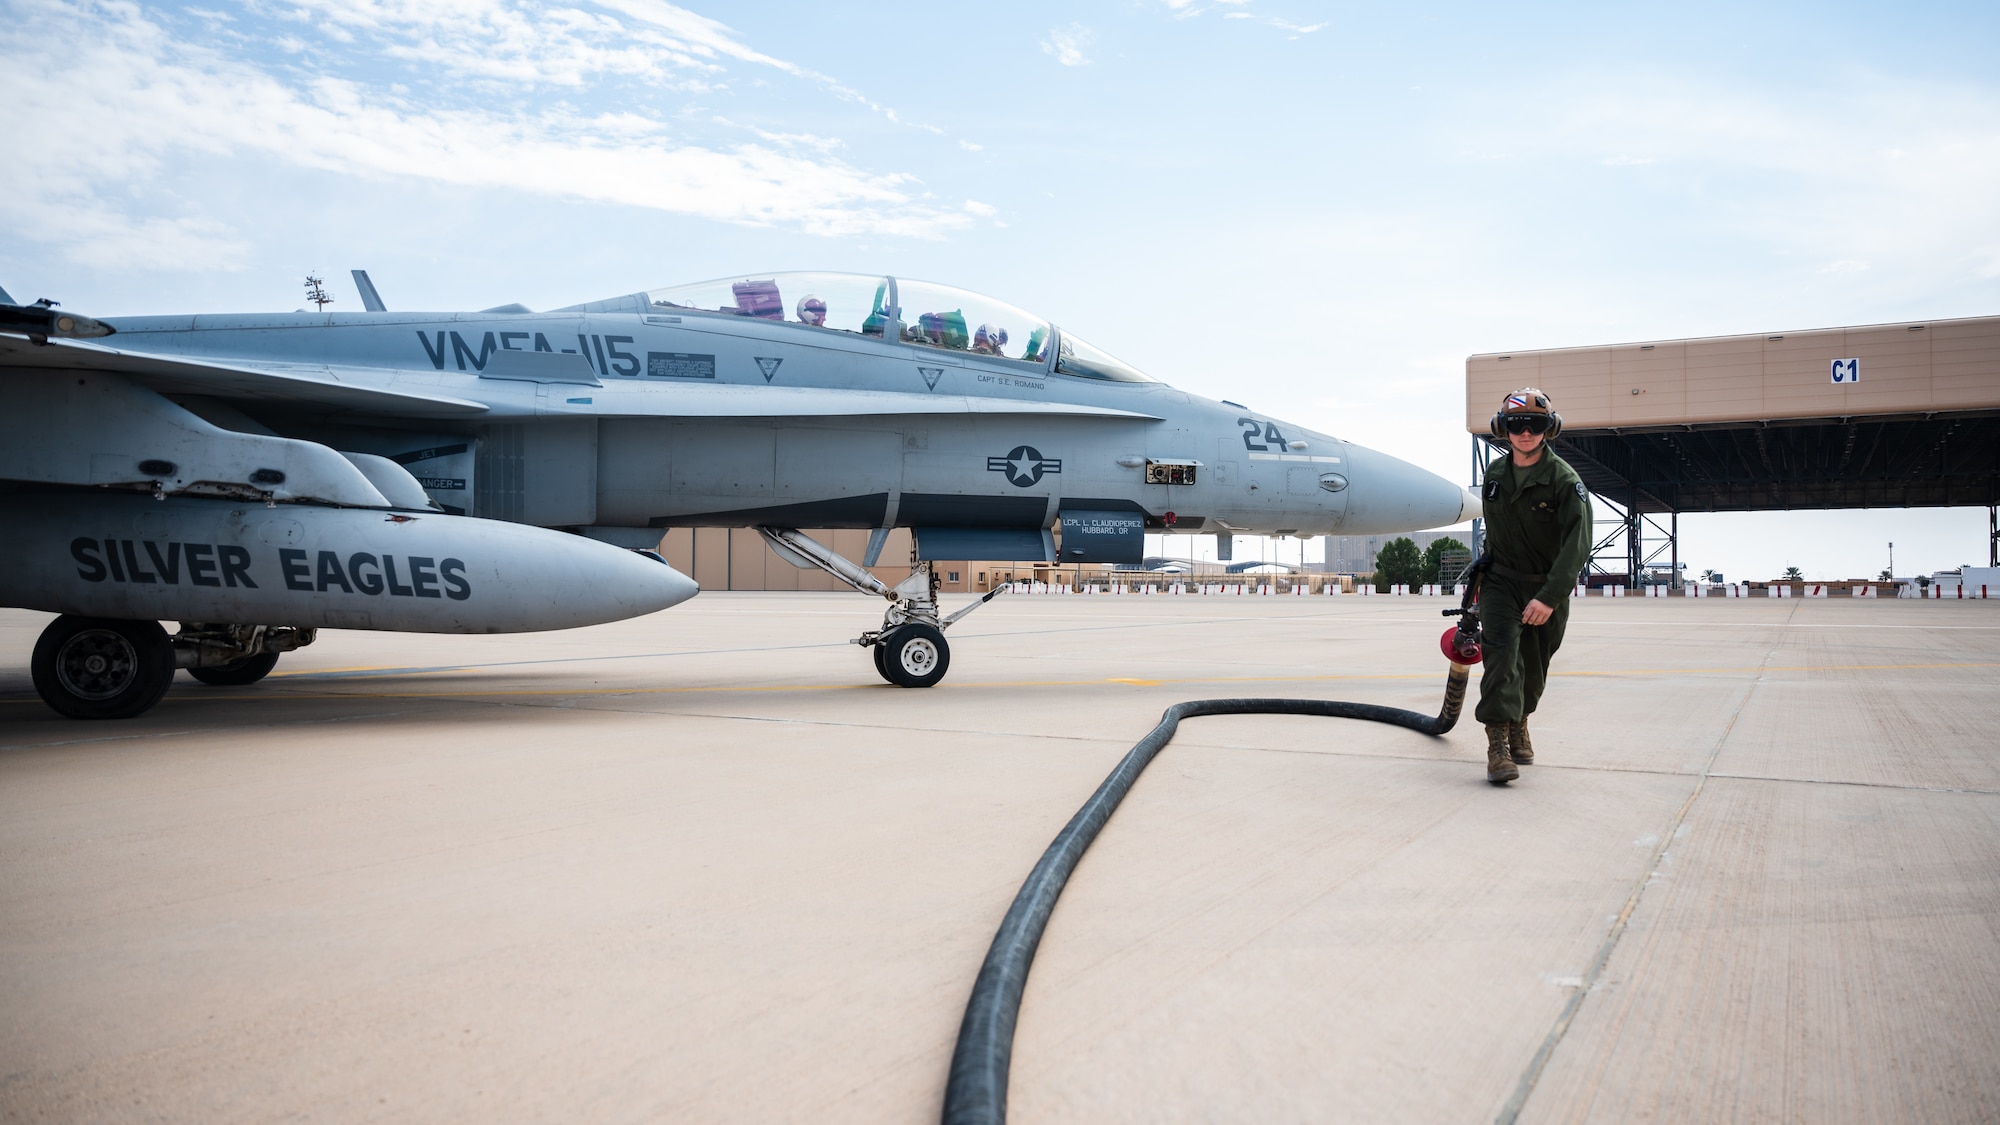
{"x": 1537, "y": 514}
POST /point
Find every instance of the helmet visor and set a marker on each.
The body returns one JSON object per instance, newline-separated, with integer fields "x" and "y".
{"x": 1527, "y": 423}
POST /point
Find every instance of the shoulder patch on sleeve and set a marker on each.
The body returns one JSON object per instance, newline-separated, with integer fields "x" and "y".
{"x": 1582, "y": 493}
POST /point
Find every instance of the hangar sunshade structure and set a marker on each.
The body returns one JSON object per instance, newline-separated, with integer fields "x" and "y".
{"x": 1880, "y": 416}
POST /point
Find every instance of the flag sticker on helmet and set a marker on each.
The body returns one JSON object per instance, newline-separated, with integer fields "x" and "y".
{"x": 1516, "y": 402}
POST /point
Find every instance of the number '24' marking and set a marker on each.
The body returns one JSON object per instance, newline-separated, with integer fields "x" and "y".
{"x": 1260, "y": 437}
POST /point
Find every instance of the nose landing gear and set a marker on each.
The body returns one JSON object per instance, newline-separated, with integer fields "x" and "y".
{"x": 910, "y": 649}
{"x": 912, "y": 655}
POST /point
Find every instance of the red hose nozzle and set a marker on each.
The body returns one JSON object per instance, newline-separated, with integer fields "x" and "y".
{"x": 1459, "y": 648}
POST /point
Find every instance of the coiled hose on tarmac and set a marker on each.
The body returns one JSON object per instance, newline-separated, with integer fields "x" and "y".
{"x": 976, "y": 1093}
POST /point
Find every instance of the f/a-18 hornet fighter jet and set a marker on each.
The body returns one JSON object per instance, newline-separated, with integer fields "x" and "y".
{"x": 257, "y": 477}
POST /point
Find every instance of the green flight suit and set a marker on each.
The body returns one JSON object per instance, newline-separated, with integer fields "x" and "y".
{"x": 1538, "y": 537}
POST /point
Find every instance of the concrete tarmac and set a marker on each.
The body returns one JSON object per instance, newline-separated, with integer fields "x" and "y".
{"x": 705, "y": 866}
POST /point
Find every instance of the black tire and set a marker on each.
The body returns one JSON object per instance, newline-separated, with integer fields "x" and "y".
{"x": 237, "y": 673}
{"x": 99, "y": 668}
{"x": 914, "y": 656}
{"x": 879, "y": 652}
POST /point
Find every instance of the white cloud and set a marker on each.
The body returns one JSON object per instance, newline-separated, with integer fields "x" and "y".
{"x": 1186, "y": 9}
{"x": 970, "y": 147}
{"x": 1067, "y": 44}
{"x": 98, "y": 122}
{"x": 983, "y": 210}
{"x": 1879, "y": 171}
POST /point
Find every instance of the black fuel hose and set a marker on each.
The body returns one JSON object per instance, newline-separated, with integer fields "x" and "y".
{"x": 976, "y": 1093}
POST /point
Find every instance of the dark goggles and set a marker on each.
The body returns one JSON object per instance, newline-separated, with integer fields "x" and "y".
{"x": 1527, "y": 423}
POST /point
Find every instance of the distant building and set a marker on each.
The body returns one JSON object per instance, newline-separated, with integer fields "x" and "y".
{"x": 1355, "y": 554}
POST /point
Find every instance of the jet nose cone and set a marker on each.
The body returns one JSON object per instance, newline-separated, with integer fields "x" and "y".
{"x": 606, "y": 583}
{"x": 682, "y": 588}
{"x": 661, "y": 586}
{"x": 1388, "y": 495}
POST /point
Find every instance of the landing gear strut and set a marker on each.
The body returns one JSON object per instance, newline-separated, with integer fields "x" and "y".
{"x": 103, "y": 668}
{"x": 909, "y": 649}
{"x": 235, "y": 655}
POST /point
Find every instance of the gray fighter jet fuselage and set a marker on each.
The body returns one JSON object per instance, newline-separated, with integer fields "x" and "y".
{"x": 779, "y": 401}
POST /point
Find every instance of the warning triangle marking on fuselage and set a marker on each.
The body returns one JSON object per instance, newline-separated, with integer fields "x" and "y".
{"x": 768, "y": 366}
{"x": 931, "y": 376}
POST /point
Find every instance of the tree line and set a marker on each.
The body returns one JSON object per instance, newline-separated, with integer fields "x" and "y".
{"x": 1399, "y": 563}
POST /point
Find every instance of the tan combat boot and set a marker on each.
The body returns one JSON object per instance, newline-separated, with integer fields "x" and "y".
{"x": 1499, "y": 764}
{"x": 1518, "y": 746}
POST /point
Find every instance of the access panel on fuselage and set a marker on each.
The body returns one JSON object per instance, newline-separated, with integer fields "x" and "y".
{"x": 659, "y": 469}
{"x": 730, "y": 462}
{"x": 542, "y": 472}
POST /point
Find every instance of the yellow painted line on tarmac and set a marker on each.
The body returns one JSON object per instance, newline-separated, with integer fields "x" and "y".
{"x": 1775, "y": 668}
{"x": 403, "y": 669}
{"x": 508, "y": 693}
{"x": 739, "y": 689}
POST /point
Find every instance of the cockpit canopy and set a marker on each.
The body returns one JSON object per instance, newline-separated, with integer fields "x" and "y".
{"x": 920, "y": 313}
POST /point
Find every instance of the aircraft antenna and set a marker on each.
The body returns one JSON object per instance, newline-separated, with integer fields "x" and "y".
{"x": 315, "y": 293}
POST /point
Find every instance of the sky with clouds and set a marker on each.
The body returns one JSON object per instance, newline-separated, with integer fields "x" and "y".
{"x": 1316, "y": 208}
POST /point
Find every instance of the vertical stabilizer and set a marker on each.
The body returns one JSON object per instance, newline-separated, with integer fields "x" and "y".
{"x": 370, "y": 300}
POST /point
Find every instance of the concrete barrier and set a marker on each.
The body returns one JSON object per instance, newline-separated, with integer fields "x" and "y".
{"x": 1962, "y": 592}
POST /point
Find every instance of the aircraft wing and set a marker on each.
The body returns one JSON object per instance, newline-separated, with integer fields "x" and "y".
{"x": 304, "y": 383}
{"x": 325, "y": 385}
{"x": 739, "y": 401}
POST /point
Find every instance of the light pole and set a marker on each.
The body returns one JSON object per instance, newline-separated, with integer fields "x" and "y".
{"x": 1892, "y": 561}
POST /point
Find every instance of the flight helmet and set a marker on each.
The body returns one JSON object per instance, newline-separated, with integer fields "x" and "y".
{"x": 1529, "y": 402}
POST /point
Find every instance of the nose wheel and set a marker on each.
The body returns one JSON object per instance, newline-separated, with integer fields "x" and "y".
{"x": 97, "y": 668}
{"x": 912, "y": 655}
{"x": 909, "y": 649}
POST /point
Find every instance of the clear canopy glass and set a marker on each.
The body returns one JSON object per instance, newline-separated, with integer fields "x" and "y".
{"x": 931, "y": 316}
{"x": 844, "y": 302}
{"x": 941, "y": 316}
{"x": 1074, "y": 357}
